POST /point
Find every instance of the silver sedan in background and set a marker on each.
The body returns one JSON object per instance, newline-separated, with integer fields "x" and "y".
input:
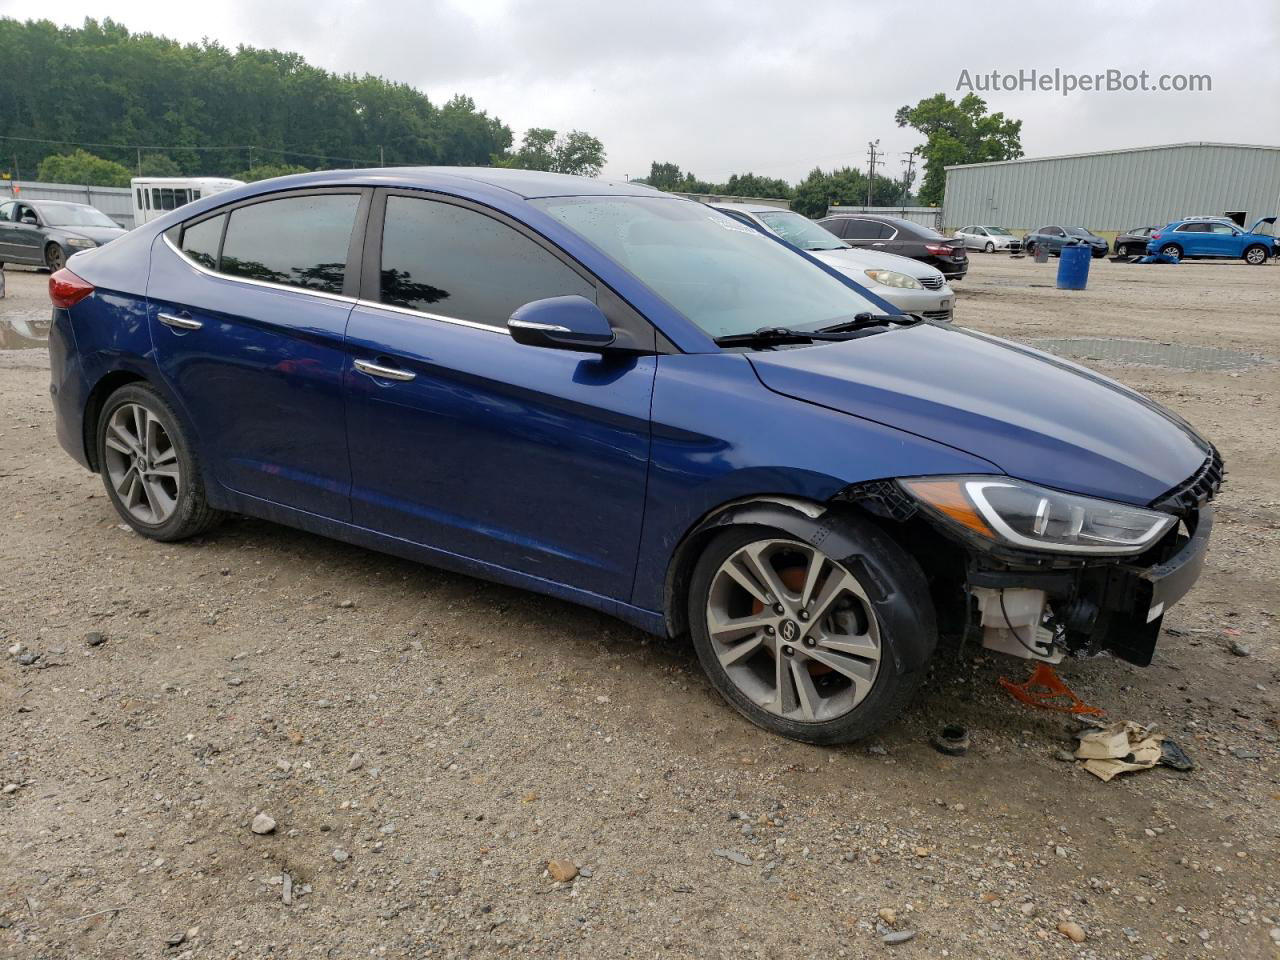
{"x": 909, "y": 285}
{"x": 988, "y": 239}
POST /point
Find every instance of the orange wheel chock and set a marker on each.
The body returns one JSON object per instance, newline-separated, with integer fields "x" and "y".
{"x": 1045, "y": 689}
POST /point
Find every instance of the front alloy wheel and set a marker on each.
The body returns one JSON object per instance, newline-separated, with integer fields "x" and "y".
{"x": 1255, "y": 256}
{"x": 793, "y": 639}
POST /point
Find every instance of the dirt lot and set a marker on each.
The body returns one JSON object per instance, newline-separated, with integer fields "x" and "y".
{"x": 494, "y": 730}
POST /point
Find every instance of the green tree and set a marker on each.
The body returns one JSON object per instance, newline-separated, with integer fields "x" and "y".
{"x": 139, "y": 88}
{"x": 664, "y": 176}
{"x": 958, "y": 133}
{"x": 159, "y": 165}
{"x": 82, "y": 167}
{"x": 265, "y": 171}
{"x": 544, "y": 149}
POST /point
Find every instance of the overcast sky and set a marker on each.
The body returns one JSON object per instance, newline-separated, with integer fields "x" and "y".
{"x": 774, "y": 88}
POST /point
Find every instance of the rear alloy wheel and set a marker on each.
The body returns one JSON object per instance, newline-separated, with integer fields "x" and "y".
{"x": 1122, "y": 251}
{"x": 54, "y": 258}
{"x": 1171, "y": 251}
{"x": 1255, "y": 255}
{"x": 792, "y": 639}
{"x": 148, "y": 468}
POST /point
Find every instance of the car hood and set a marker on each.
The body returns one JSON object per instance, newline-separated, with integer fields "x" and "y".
{"x": 856, "y": 261}
{"x": 1029, "y": 413}
{"x": 96, "y": 234}
{"x": 1262, "y": 222}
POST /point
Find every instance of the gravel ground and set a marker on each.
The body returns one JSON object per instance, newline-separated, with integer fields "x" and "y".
{"x": 422, "y": 745}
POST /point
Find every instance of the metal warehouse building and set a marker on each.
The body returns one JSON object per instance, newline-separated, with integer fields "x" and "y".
{"x": 1115, "y": 190}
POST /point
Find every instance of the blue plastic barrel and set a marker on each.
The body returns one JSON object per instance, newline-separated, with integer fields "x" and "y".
{"x": 1073, "y": 267}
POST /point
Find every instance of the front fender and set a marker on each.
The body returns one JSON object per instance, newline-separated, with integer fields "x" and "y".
{"x": 720, "y": 437}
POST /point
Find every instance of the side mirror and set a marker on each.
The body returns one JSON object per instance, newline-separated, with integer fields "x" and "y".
{"x": 29, "y": 218}
{"x": 563, "y": 323}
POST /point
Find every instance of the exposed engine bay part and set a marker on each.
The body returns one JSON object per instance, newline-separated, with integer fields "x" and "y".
{"x": 1013, "y": 622}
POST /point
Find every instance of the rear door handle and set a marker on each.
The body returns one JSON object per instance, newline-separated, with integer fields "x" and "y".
{"x": 179, "y": 323}
{"x": 380, "y": 372}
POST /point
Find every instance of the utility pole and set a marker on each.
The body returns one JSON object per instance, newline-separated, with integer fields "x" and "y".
{"x": 139, "y": 161}
{"x": 381, "y": 159}
{"x": 910, "y": 164}
{"x": 871, "y": 168}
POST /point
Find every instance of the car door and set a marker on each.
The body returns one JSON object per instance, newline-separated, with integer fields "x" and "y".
{"x": 25, "y": 239}
{"x": 248, "y": 310}
{"x": 1223, "y": 240}
{"x": 1194, "y": 239}
{"x": 6, "y": 230}
{"x": 859, "y": 232}
{"x": 530, "y": 459}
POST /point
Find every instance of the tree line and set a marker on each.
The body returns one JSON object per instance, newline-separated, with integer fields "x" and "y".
{"x": 955, "y": 133}
{"x": 96, "y": 91}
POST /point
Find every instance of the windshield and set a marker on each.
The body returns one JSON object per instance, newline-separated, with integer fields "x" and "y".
{"x": 998, "y": 231}
{"x": 801, "y": 231}
{"x": 1077, "y": 232}
{"x": 724, "y": 276}
{"x": 74, "y": 215}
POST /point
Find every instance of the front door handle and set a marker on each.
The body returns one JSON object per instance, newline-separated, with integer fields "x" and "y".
{"x": 179, "y": 323}
{"x": 380, "y": 372}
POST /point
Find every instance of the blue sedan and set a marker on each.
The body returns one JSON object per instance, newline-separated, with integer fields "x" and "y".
{"x": 627, "y": 400}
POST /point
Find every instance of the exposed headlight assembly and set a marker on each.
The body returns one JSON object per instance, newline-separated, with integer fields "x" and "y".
{"x": 892, "y": 278}
{"x": 81, "y": 242}
{"x": 1018, "y": 514}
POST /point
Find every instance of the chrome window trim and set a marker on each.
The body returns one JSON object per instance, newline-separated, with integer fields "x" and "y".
{"x": 410, "y": 312}
{"x": 324, "y": 294}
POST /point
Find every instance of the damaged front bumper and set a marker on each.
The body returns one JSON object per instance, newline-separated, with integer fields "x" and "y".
{"x": 1115, "y": 607}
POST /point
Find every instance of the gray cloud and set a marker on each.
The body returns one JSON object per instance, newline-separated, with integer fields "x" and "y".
{"x": 776, "y": 88}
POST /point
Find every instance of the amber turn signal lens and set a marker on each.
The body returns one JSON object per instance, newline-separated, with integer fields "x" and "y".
{"x": 948, "y": 497}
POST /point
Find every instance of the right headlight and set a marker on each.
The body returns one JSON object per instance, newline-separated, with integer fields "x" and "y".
{"x": 892, "y": 278}
{"x": 1018, "y": 514}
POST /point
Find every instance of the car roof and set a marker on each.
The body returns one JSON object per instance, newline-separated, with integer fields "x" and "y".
{"x": 523, "y": 183}
{"x": 54, "y": 203}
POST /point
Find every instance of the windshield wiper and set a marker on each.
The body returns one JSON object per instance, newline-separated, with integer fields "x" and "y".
{"x": 767, "y": 336}
{"x": 862, "y": 321}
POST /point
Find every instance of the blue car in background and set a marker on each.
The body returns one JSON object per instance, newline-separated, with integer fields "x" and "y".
{"x": 627, "y": 400}
{"x": 1215, "y": 237}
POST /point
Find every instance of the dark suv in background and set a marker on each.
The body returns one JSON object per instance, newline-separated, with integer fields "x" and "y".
{"x": 903, "y": 237}
{"x": 1054, "y": 238}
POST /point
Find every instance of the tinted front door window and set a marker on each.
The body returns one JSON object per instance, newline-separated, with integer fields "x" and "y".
{"x": 453, "y": 262}
{"x": 297, "y": 241}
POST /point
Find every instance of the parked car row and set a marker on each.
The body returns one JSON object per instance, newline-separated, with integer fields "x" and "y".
{"x": 903, "y": 237}
{"x": 630, "y": 401}
{"x": 1185, "y": 239}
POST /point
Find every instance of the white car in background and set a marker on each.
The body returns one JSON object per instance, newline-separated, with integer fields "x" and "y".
{"x": 909, "y": 285}
{"x": 988, "y": 239}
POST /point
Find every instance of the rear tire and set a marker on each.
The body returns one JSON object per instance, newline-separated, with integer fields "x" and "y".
{"x": 149, "y": 467}
{"x": 1256, "y": 255}
{"x": 54, "y": 258}
{"x": 1122, "y": 251}
{"x": 829, "y": 669}
{"x": 1172, "y": 251}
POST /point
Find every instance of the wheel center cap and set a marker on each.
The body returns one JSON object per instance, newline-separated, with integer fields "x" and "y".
{"x": 789, "y": 631}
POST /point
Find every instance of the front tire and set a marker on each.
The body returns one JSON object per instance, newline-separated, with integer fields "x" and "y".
{"x": 149, "y": 467}
{"x": 54, "y": 258}
{"x": 832, "y": 667}
{"x": 1256, "y": 255}
{"x": 989, "y": 248}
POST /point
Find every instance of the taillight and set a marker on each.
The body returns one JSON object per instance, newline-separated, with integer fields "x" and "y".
{"x": 1155, "y": 236}
{"x": 940, "y": 249}
{"x": 66, "y": 289}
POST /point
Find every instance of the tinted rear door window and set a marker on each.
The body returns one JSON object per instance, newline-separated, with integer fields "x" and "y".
{"x": 457, "y": 263}
{"x": 862, "y": 230}
{"x": 297, "y": 241}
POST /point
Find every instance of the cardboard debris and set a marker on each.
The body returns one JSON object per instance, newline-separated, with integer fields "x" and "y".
{"x": 1120, "y": 747}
